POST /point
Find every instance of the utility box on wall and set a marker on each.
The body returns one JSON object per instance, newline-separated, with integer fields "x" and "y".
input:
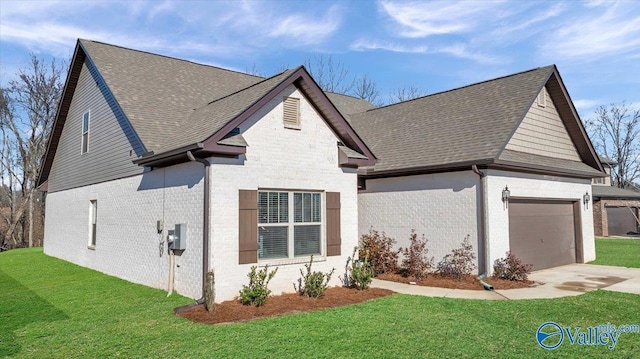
{"x": 178, "y": 239}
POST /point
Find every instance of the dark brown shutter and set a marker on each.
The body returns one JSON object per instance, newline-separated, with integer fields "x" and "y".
{"x": 248, "y": 231}
{"x": 334, "y": 240}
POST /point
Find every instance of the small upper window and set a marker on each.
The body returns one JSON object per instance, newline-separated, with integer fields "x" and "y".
{"x": 85, "y": 133}
{"x": 291, "y": 112}
{"x": 542, "y": 98}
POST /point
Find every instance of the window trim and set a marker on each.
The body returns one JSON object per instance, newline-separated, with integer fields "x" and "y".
{"x": 291, "y": 224}
{"x": 93, "y": 223}
{"x": 86, "y": 114}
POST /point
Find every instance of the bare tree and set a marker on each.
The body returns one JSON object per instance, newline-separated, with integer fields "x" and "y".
{"x": 367, "y": 89}
{"x": 28, "y": 106}
{"x": 404, "y": 93}
{"x": 331, "y": 76}
{"x": 616, "y": 134}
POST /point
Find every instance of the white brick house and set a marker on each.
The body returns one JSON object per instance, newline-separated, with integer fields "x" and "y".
{"x": 447, "y": 161}
{"x": 271, "y": 171}
{"x": 126, "y": 163}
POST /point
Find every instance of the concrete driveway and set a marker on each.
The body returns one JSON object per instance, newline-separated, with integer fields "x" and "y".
{"x": 564, "y": 281}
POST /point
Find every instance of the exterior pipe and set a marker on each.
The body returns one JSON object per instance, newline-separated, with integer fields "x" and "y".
{"x": 483, "y": 232}
{"x": 205, "y": 222}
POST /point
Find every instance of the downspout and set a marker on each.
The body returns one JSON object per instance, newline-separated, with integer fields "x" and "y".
{"x": 483, "y": 233}
{"x": 205, "y": 222}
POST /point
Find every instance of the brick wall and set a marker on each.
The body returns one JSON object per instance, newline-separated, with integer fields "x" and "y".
{"x": 129, "y": 247}
{"x": 532, "y": 186}
{"x": 601, "y": 222}
{"x": 127, "y": 243}
{"x": 279, "y": 158}
{"x": 440, "y": 206}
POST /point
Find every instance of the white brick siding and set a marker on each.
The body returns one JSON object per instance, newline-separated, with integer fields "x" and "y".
{"x": 532, "y": 186}
{"x": 444, "y": 208}
{"x": 279, "y": 158}
{"x": 441, "y": 206}
{"x": 127, "y": 241}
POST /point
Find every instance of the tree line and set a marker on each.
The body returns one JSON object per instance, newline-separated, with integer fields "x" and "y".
{"x": 29, "y": 101}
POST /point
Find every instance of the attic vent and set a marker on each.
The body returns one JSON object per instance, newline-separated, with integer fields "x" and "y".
{"x": 291, "y": 112}
{"x": 542, "y": 98}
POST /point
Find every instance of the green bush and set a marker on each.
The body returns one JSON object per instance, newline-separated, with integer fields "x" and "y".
{"x": 359, "y": 272}
{"x": 460, "y": 262}
{"x": 313, "y": 284}
{"x": 511, "y": 268}
{"x": 379, "y": 248}
{"x": 256, "y": 292}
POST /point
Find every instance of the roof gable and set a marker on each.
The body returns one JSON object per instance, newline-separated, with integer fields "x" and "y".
{"x": 468, "y": 125}
{"x": 542, "y": 132}
{"x": 221, "y": 116}
{"x": 175, "y": 105}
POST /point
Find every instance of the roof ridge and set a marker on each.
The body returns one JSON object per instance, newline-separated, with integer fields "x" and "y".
{"x": 461, "y": 87}
{"x": 245, "y": 88}
{"x": 171, "y": 58}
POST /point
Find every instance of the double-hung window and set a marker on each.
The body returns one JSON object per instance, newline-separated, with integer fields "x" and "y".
{"x": 289, "y": 224}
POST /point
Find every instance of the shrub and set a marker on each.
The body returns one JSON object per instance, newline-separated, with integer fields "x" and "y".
{"x": 379, "y": 249}
{"x": 415, "y": 262}
{"x": 313, "y": 284}
{"x": 511, "y": 268}
{"x": 256, "y": 292}
{"x": 460, "y": 262}
{"x": 359, "y": 271}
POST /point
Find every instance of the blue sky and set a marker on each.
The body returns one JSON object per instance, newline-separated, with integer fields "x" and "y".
{"x": 433, "y": 46}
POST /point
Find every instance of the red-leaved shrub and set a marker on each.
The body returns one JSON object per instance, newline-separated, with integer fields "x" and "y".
{"x": 511, "y": 268}
{"x": 379, "y": 249}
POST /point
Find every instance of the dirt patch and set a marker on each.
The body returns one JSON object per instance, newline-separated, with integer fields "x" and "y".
{"x": 234, "y": 311}
{"x": 468, "y": 282}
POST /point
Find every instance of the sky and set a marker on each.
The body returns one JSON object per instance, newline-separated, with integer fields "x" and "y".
{"x": 431, "y": 45}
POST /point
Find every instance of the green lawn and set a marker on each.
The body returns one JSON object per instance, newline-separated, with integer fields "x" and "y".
{"x": 618, "y": 252}
{"x": 50, "y": 308}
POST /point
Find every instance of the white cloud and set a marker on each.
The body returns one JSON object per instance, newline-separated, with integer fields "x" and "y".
{"x": 586, "y": 106}
{"x": 306, "y": 29}
{"x": 463, "y": 51}
{"x": 597, "y": 33}
{"x": 423, "y": 19}
{"x": 365, "y": 45}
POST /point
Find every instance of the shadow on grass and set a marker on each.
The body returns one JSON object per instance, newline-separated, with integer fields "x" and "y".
{"x": 20, "y": 307}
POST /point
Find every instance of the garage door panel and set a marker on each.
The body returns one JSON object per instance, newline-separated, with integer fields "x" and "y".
{"x": 542, "y": 233}
{"x": 621, "y": 220}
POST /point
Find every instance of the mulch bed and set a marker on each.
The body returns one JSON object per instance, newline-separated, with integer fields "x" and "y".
{"x": 234, "y": 311}
{"x": 468, "y": 282}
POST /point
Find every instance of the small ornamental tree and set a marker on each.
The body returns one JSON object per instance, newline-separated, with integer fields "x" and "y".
{"x": 379, "y": 249}
{"x": 415, "y": 262}
{"x": 460, "y": 262}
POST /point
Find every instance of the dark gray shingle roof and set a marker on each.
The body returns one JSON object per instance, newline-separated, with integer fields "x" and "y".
{"x": 470, "y": 123}
{"x": 157, "y": 92}
{"x": 613, "y": 192}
